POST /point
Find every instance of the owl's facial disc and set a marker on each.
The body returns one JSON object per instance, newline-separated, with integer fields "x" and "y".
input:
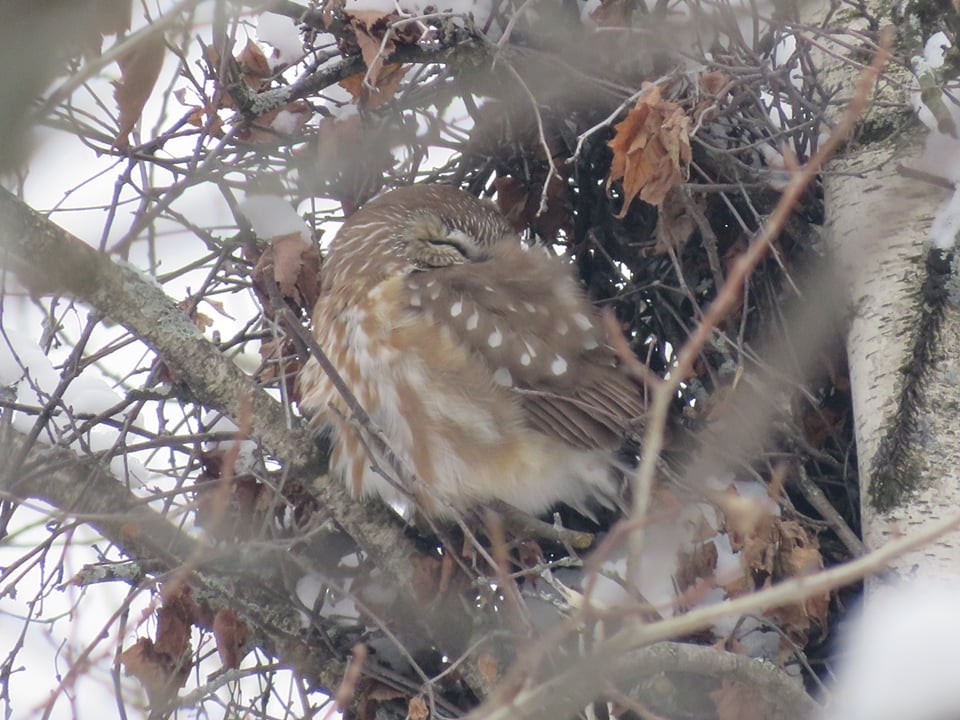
{"x": 428, "y": 243}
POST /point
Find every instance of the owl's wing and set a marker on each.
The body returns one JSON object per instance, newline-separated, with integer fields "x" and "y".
{"x": 526, "y": 317}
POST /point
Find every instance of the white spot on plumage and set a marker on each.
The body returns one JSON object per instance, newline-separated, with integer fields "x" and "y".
{"x": 473, "y": 321}
{"x": 525, "y": 359}
{"x": 415, "y": 300}
{"x": 562, "y": 327}
{"x": 434, "y": 291}
{"x": 495, "y": 339}
{"x": 582, "y": 321}
{"x": 558, "y": 366}
{"x": 590, "y": 344}
{"x": 511, "y": 307}
{"x": 456, "y": 308}
{"x": 533, "y": 353}
{"x": 502, "y": 377}
{"x": 529, "y": 307}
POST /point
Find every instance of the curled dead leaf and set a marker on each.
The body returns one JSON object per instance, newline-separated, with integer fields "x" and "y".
{"x": 675, "y": 224}
{"x": 374, "y": 95}
{"x": 294, "y": 266}
{"x": 417, "y": 708}
{"x": 139, "y": 70}
{"x": 520, "y": 203}
{"x": 161, "y": 674}
{"x": 376, "y": 46}
{"x": 715, "y": 86}
{"x": 162, "y": 666}
{"x": 231, "y": 634}
{"x": 651, "y": 150}
{"x": 254, "y": 65}
{"x": 351, "y": 676}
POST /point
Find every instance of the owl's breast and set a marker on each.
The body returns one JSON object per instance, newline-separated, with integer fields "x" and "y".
{"x": 459, "y": 434}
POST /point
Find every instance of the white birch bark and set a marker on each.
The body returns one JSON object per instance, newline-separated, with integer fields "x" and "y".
{"x": 904, "y": 351}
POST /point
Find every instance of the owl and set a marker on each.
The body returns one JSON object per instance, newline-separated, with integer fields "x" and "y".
{"x": 478, "y": 358}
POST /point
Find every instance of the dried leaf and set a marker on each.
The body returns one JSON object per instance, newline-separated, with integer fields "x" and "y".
{"x": 173, "y": 631}
{"x": 294, "y": 266}
{"x": 160, "y": 674}
{"x": 218, "y": 306}
{"x": 179, "y": 597}
{"x": 715, "y": 89}
{"x": 254, "y": 65}
{"x": 369, "y": 27}
{"x": 287, "y": 261}
{"x": 651, "y": 150}
{"x": 351, "y": 676}
{"x": 699, "y": 562}
{"x": 675, "y": 224}
{"x": 799, "y": 554}
{"x": 162, "y": 666}
{"x": 231, "y": 634}
{"x": 370, "y": 695}
{"x": 714, "y": 83}
{"x": 278, "y": 355}
{"x": 417, "y": 708}
{"x": 773, "y": 550}
{"x": 201, "y": 320}
{"x": 139, "y": 70}
{"x": 108, "y": 17}
{"x": 231, "y": 510}
{"x": 382, "y": 92}
{"x": 520, "y": 204}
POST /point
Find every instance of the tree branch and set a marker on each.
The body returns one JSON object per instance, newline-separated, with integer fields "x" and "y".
{"x": 223, "y": 577}
{"x": 48, "y": 259}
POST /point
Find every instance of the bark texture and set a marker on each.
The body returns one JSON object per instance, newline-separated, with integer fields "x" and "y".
{"x": 903, "y": 347}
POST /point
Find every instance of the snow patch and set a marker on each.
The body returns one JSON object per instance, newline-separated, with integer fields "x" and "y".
{"x": 248, "y": 459}
{"x": 281, "y": 33}
{"x": 900, "y": 656}
{"x": 941, "y": 155}
{"x": 271, "y": 216}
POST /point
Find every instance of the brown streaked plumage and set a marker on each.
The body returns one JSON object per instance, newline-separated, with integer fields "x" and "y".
{"x": 479, "y": 360}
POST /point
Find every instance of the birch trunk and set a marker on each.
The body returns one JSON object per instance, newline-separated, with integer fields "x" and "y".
{"x": 904, "y": 339}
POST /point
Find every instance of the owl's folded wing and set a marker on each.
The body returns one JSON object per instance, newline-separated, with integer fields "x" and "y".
{"x": 526, "y": 317}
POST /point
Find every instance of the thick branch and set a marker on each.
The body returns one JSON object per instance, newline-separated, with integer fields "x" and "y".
{"x": 223, "y": 578}
{"x": 49, "y": 259}
{"x": 559, "y": 696}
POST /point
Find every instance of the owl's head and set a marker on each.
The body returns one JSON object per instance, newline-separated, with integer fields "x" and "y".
{"x": 415, "y": 227}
